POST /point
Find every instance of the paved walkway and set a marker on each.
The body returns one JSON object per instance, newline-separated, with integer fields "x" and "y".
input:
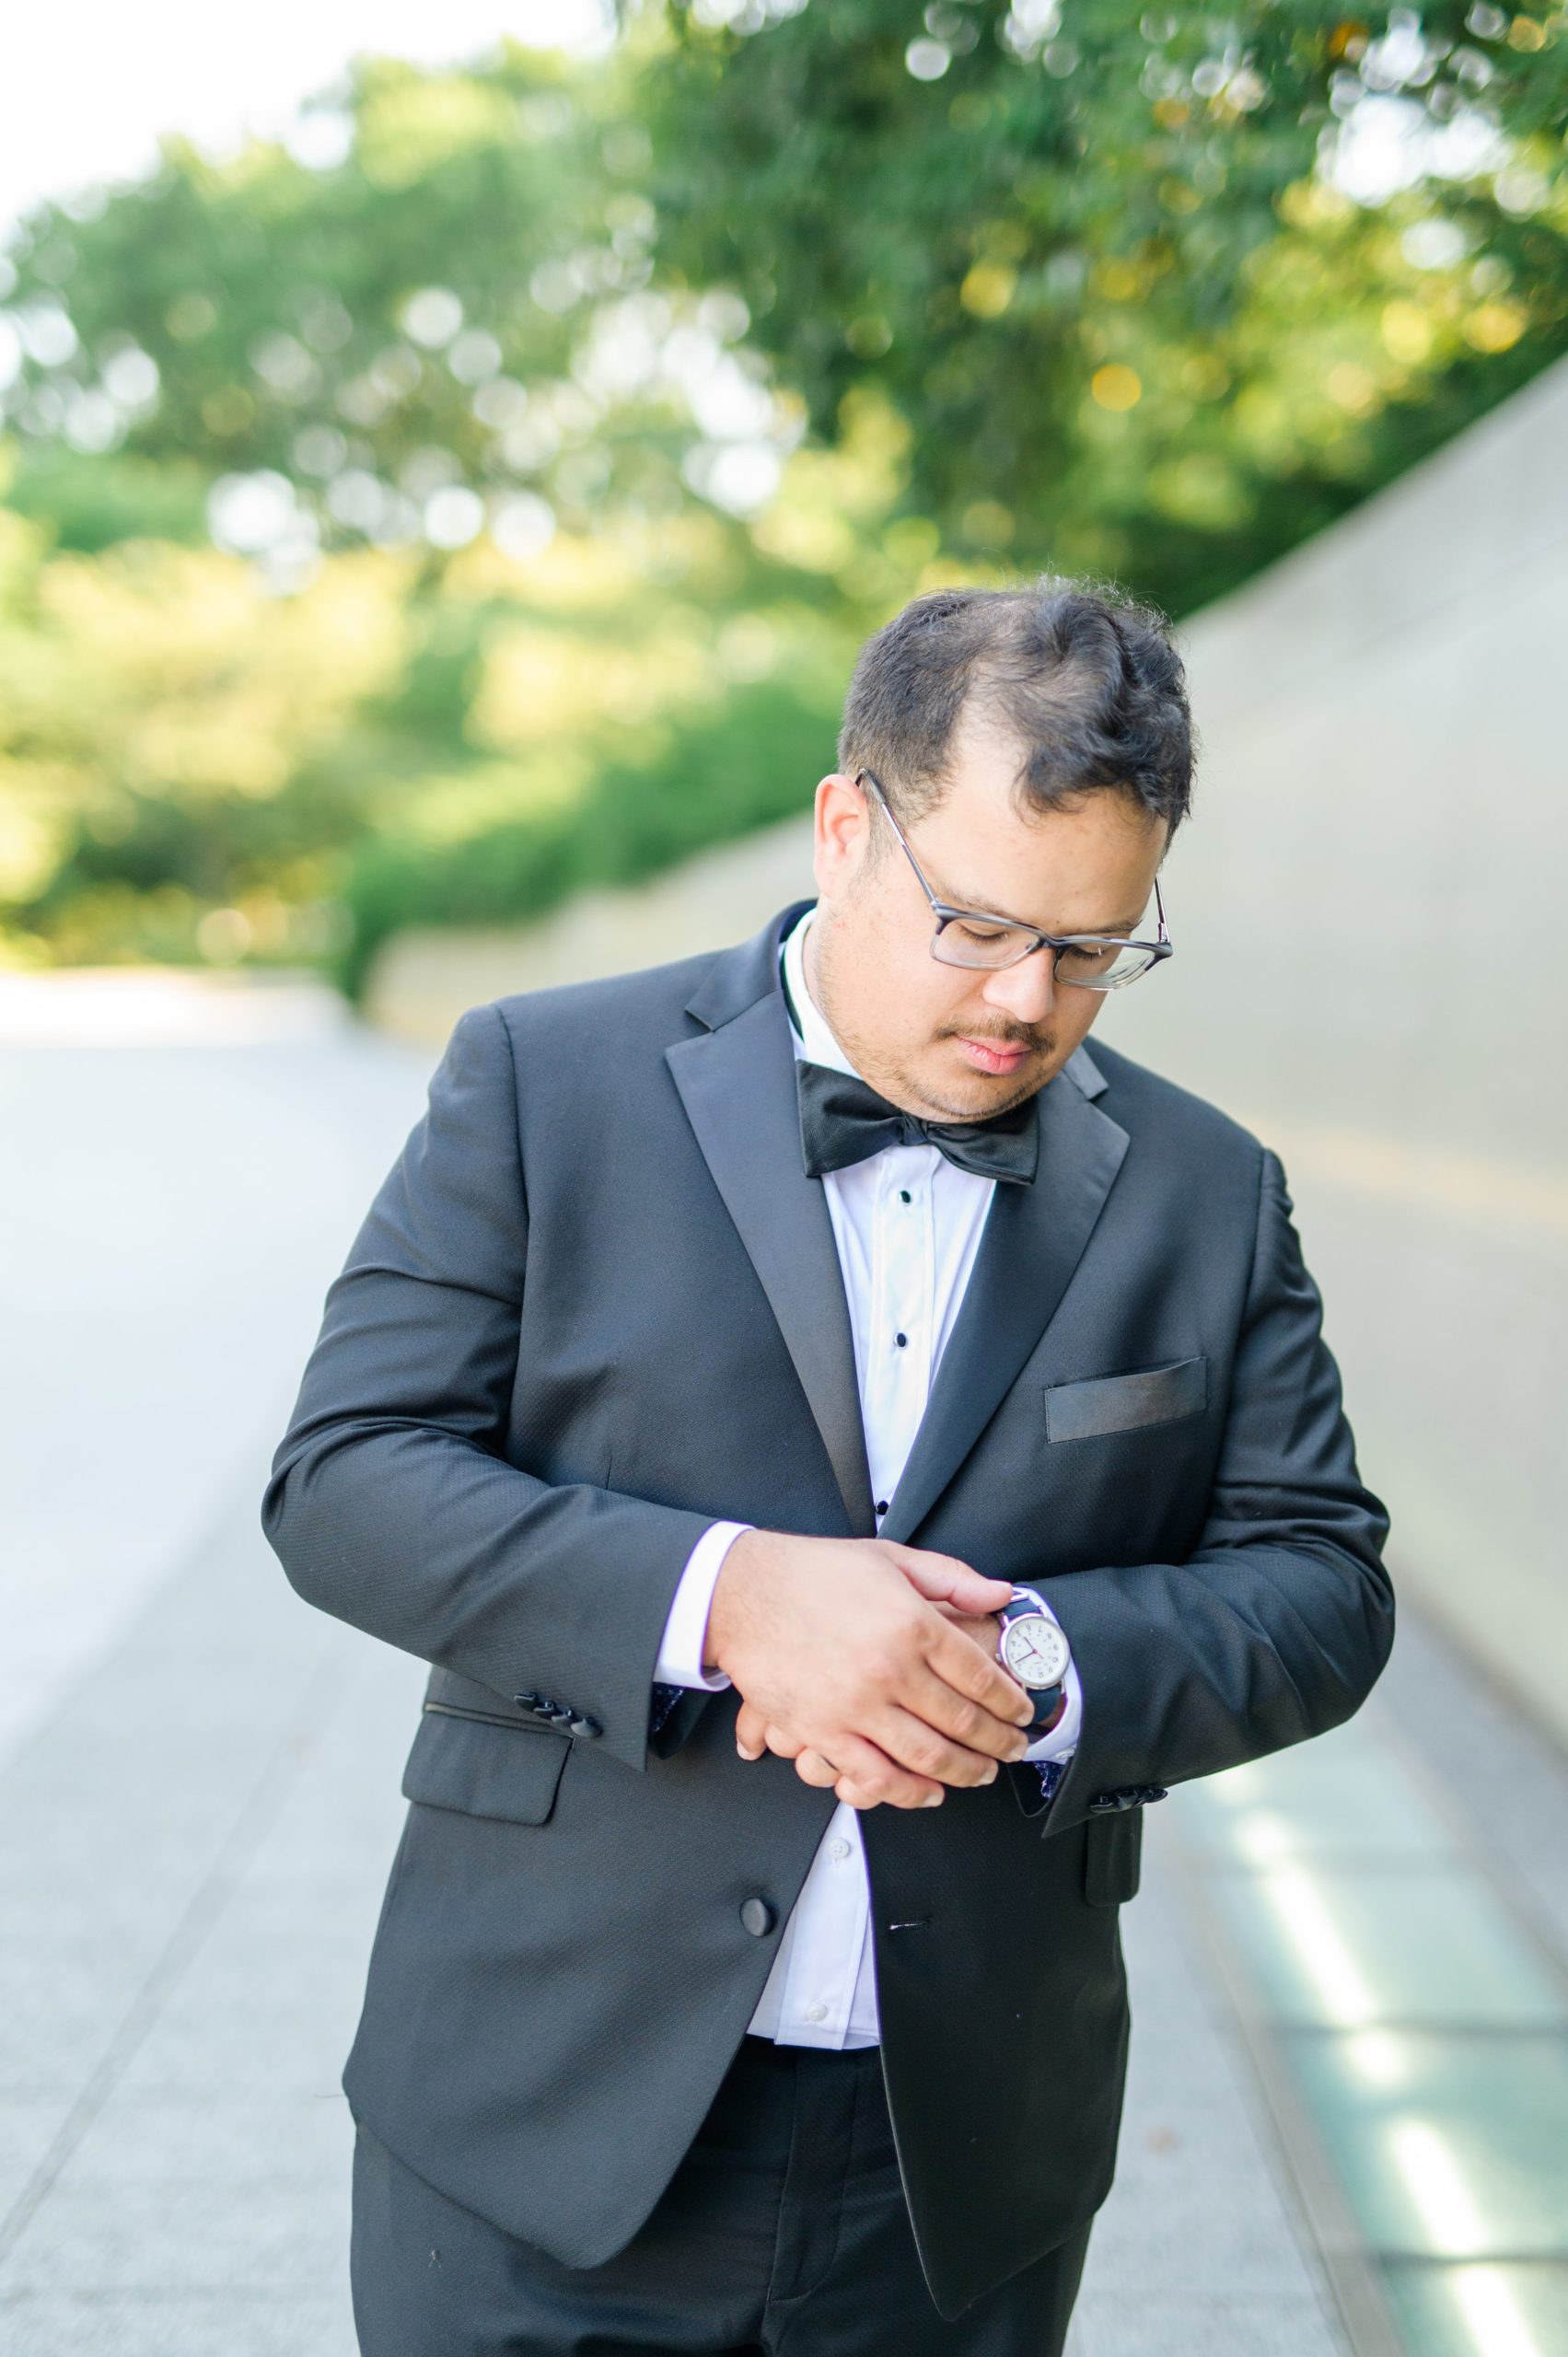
{"x": 184, "y": 1167}
{"x": 196, "y": 1845}
{"x": 199, "y": 1803}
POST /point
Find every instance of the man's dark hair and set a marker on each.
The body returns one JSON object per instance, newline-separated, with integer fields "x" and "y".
{"x": 1087, "y": 682}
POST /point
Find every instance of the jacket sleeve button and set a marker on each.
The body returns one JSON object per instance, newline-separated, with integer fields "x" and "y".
{"x": 757, "y": 1917}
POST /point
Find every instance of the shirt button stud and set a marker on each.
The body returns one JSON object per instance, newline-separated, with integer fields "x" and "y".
{"x": 881, "y": 1505}
{"x": 815, "y": 2013}
{"x": 900, "y": 1339}
{"x": 758, "y": 1918}
{"x": 903, "y": 1194}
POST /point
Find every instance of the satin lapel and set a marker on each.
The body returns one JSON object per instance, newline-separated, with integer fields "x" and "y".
{"x": 737, "y": 1086}
{"x": 1033, "y": 1239}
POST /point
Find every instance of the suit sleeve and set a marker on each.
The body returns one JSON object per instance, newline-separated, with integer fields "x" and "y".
{"x": 1278, "y": 1624}
{"x": 391, "y": 1503}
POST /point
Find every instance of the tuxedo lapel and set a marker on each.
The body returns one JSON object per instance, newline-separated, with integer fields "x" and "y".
{"x": 737, "y": 1082}
{"x": 1033, "y": 1239}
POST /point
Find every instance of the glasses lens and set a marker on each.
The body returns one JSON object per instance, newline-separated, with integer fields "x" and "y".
{"x": 963, "y": 942}
{"x": 1101, "y": 964}
{"x": 1089, "y": 964}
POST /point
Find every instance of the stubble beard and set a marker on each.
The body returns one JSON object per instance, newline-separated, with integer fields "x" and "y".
{"x": 900, "y": 1087}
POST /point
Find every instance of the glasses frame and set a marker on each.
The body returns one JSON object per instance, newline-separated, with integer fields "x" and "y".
{"x": 944, "y": 912}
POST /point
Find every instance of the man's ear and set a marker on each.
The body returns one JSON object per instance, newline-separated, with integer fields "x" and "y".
{"x": 841, "y": 827}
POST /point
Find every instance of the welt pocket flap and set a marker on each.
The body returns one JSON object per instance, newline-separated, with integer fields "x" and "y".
{"x": 1119, "y": 1403}
{"x": 1113, "y": 1852}
{"x": 484, "y": 1769}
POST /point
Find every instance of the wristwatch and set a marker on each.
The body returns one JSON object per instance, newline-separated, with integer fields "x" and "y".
{"x": 1033, "y": 1648}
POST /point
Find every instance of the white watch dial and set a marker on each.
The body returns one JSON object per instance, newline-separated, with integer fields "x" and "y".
{"x": 1034, "y": 1650}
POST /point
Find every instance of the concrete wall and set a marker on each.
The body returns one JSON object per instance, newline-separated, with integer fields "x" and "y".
{"x": 424, "y": 979}
{"x": 1367, "y": 908}
{"x": 1372, "y": 969}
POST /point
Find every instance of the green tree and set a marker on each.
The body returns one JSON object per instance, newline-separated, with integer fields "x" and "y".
{"x": 391, "y": 321}
{"x": 561, "y": 429}
{"x": 1084, "y": 251}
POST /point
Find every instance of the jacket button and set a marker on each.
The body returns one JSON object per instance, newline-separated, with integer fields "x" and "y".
{"x": 757, "y": 1917}
{"x": 580, "y": 1724}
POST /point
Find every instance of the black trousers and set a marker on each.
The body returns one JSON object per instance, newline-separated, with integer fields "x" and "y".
{"x": 784, "y": 2231}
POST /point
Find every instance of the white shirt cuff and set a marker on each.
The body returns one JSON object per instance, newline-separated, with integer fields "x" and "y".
{"x": 1062, "y": 1739}
{"x": 679, "y": 1659}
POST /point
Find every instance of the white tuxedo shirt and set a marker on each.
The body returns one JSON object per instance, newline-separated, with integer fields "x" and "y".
{"x": 907, "y": 1224}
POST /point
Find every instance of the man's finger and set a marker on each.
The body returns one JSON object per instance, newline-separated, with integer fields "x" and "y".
{"x": 750, "y": 1732}
{"x": 962, "y": 1719}
{"x": 965, "y": 1666}
{"x": 984, "y": 1627}
{"x": 945, "y": 1579}
{"x": 880, "y": 1777}
{"x": 916, "y": 1745}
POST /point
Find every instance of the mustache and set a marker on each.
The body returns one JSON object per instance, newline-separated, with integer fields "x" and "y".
{"x": 1005, "y": 1040}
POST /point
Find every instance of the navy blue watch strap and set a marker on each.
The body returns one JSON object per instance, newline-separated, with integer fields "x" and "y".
{"x": 1048, "y": 1702}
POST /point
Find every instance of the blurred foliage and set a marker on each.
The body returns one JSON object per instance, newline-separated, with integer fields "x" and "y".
{"x": 1083, "y": 250}
{"x": 482, "y": 493}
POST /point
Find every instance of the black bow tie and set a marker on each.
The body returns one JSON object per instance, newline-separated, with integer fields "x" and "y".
{"x": 843, "y": 1119}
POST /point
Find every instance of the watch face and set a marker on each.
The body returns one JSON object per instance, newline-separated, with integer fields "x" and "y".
{"x": 1034, "y": 1650}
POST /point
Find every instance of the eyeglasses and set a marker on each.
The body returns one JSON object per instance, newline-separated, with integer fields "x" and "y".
{"x": 1089, "y": 961}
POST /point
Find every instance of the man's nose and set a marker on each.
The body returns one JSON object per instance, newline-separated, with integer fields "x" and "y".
{"x": 1027, "y": 991}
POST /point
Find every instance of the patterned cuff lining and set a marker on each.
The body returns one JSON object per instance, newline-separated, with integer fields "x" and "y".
{"x": 663, "y": 1701}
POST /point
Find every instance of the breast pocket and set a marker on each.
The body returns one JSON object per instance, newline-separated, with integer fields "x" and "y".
{"x": 485, "y": 1767}
{"x": 1124, "y": 1403}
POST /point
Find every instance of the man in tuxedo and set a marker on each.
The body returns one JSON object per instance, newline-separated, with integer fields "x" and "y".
{"x": 844, "y": 1451}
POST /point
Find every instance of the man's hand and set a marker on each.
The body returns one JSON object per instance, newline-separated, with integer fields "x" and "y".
{"x": 852, "y": 1659}
{"x": 753, "y": 1735}
{"x": 985, "y": 1628}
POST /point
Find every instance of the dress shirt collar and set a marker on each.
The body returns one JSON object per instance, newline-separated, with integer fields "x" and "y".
{"x": 813, "y": 1039}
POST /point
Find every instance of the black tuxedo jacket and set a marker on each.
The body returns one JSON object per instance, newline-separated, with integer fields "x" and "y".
{"x": 595, "y": 1306}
